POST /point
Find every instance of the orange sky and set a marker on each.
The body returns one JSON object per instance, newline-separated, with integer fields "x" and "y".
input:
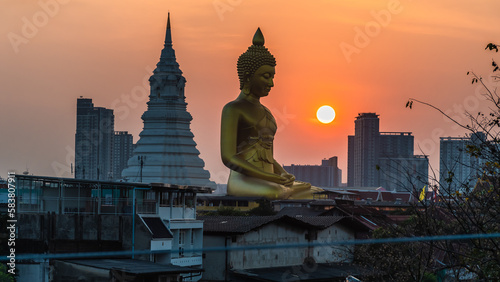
{"x": 53, "y": 51}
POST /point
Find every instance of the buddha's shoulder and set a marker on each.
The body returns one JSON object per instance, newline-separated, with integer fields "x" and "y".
{"x": 236, "y": 106}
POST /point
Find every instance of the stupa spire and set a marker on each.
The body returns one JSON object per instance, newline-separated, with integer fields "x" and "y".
{"x": 168, "y": 62}
{"x": 168, "y": 35}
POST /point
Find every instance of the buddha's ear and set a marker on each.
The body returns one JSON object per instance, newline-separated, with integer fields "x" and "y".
{"x": 246, "y": 77}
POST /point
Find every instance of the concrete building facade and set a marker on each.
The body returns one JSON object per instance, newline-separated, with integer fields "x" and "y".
{"x": 363, "y": 151}
{"x": 327, "y": 174}
{"x": 458, "y": 169}
{"x": 122, "y": 152}
{"x": 94, "y": 140}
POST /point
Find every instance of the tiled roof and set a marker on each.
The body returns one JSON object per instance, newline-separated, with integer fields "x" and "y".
{"x": 320, "y": 222}
{"x": 369, "y": 217}
{"x": 234, "y": 224}
{"x": 294, "y": 211}
{"x": 243, "y": 224}
{"x": 322, "y": 272}
{"x": 322, "y": 203}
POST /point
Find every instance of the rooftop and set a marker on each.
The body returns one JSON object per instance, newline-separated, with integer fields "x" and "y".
{"x": 130, "y": 185}
{"x": 244, "y": 224}
{"x": 322, "y": 272}
{"x": 133, "y": 266}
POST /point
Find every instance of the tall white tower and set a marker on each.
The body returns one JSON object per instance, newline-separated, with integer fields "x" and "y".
{"x": 166, "y": 151}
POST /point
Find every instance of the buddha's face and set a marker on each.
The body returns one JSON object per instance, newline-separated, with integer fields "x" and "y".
{"x": 262, "y": 81}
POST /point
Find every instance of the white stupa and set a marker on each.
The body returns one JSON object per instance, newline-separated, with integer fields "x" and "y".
{"x": 166, "y": 147}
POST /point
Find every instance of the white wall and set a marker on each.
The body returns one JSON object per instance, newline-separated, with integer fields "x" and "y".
{"x": 270, "y": 234}
{"x": 334, "y": 253}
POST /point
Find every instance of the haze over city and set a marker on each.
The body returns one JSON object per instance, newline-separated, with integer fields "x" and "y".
{"x": 366, "y": 56}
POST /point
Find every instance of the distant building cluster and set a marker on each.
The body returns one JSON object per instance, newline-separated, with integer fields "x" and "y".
{"x": 100, "y": 152}
{"x": 383, "y": 159}
{"x": 327, "y": 174}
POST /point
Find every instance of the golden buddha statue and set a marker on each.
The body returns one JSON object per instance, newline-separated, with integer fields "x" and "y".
{"x": 247, "y": 133}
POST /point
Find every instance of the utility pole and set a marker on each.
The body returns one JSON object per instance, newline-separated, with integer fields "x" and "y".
{"x": 141, "y": 162}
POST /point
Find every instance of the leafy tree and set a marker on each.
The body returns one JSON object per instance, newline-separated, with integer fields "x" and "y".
{"x": 229, "y": 211}
{"x": 471, "y": 210}
{"x": 264, "y": 208}
{"x": 4, "y": 276}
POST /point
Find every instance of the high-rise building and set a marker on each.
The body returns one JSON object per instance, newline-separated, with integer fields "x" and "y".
{"x": 166, "y": 151}
{"x": 458, "y": 169}
{"x": 122, "y": 151}
{"x": 383, "y": 158}
{"x": 364, "y": 151}
{"x": 325, "y": 175}
{"x": 93, "y": 141}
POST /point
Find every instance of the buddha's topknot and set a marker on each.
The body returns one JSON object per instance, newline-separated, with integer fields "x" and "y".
{"x": 256, "y": 56}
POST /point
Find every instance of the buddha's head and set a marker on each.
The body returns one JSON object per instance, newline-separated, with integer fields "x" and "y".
{"x": 255, "y": 57}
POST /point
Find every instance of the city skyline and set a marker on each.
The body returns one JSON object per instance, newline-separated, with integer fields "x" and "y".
{"x": 411, "y": 49}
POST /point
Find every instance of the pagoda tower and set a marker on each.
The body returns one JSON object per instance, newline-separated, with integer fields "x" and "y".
{"x": 166, "y": 151}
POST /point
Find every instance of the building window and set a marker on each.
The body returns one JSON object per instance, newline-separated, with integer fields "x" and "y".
{"x": 165, "y": 199}
{"x": 150, "y": 196}
{"x": 182, "y": 236}
{"x": 177, "y": 198}
{"x": 189, "y": 199}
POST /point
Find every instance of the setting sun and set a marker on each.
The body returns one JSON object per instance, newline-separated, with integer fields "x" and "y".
{"x": 325, "y": 114}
